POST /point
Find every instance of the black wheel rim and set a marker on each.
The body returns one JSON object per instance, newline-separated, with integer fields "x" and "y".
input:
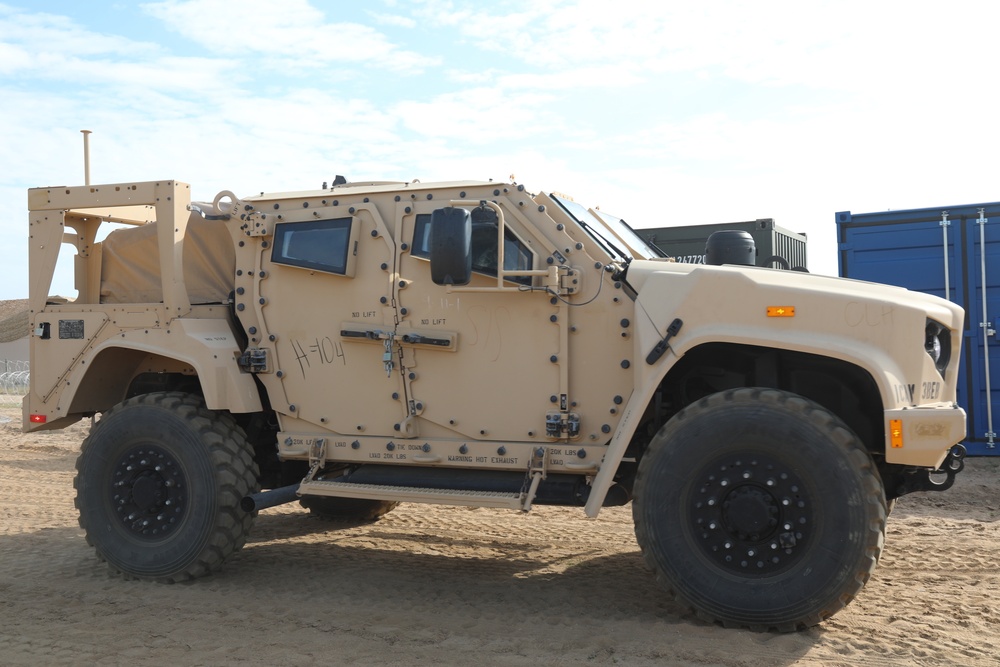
{"x": 148, "y": 492}
{"x": 751, "y": 515}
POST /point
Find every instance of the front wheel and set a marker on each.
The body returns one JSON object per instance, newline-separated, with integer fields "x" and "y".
{"x": 159, "y": 483}
{"x": 759, "y": 508}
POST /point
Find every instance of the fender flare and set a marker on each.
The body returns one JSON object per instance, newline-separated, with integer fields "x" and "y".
{"x": 209, "y": 347}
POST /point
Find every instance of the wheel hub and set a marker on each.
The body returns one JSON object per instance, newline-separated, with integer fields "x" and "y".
{"x": 750, "y": 514}
{"x": 148, "y": 491}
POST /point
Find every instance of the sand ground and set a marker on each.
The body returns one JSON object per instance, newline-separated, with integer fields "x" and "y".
{"x": 434, "y": 585}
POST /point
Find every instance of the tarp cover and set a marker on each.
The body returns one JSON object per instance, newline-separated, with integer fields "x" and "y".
{"x": 130, "y": 266}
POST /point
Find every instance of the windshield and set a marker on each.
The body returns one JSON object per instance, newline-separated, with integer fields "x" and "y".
{"x": 610, "y": 232}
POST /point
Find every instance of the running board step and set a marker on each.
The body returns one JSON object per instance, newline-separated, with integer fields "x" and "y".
{"x": 412, "y": 494}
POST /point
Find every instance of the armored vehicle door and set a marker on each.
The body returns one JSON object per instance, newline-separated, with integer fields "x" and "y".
{"x": 324, "y": 297}
{"x": 482, "y": 361}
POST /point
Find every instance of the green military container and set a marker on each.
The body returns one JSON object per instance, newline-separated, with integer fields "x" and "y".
{"x": 776, "y": 247}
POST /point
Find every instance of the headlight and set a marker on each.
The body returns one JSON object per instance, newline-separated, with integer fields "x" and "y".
{"x": 934, "y": 347}
{"x": 937, "y": 343}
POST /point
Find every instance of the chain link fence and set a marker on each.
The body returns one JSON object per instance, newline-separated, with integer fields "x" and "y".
{"x": 14, "y": 378}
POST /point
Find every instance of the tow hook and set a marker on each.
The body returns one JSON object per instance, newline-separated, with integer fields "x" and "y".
{"x": 955, "y": 461}
{"x": 935, "y": 480}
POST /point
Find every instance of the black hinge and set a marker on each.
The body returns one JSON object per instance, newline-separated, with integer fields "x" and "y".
{"x": 253, "y": 360}
{"x": 562, "y": 424}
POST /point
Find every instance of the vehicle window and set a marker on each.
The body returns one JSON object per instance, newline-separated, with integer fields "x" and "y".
{"x": 321, "y": 245}
{"x": 594, "y": 225}
{"x": 516, "y": 256}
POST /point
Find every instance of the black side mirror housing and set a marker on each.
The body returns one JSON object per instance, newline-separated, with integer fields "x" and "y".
{"x": 451, "y": 246}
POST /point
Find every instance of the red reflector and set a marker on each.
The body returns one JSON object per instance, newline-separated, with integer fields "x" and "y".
{"x": 37, "y": 419}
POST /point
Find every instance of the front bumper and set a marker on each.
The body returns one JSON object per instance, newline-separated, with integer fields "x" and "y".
{"x": 921, "y": 436}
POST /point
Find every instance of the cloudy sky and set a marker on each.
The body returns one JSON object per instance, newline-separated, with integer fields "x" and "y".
{"x": 662, "y": 112}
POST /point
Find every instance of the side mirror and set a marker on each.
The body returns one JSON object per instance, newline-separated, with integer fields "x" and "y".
{"x": 451, "y": 246}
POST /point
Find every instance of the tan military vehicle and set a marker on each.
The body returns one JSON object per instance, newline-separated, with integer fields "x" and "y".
{"x": 472, "y": 343}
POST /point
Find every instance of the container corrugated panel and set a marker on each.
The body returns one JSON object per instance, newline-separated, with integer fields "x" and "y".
{"x": 687, "y": 243}
{"x": 912, "y": 248}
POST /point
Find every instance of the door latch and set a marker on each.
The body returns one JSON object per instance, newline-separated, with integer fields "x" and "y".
{"x": 387, "y": 356}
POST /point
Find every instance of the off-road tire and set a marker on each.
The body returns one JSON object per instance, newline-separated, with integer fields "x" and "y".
{"x": 159, "y": 482}
{"x": 758, "y": 508}
{"x": 347, "y": 509}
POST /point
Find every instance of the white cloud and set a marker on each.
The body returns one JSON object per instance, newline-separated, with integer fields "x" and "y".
{"x": 13, "y": 58}
{"x": 478, "y": 116}
{"x": 46, "y": 48}
{"x": 291, "y": 34}
{"x": 848, "y": 45}
{"x": 395, "y": 20}
{"x": 664, "y": 113}
{"x": 51, "y": 35}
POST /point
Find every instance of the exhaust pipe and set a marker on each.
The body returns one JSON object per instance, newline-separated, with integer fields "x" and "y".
{"x": 272, "y": 498}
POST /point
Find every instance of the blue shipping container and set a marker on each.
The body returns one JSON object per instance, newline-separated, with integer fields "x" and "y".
{"x": 951, "y": 252}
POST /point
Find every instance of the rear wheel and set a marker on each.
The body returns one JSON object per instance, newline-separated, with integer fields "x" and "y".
{"x": 760, "y": 509}
{"x": 159, "y": 482}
